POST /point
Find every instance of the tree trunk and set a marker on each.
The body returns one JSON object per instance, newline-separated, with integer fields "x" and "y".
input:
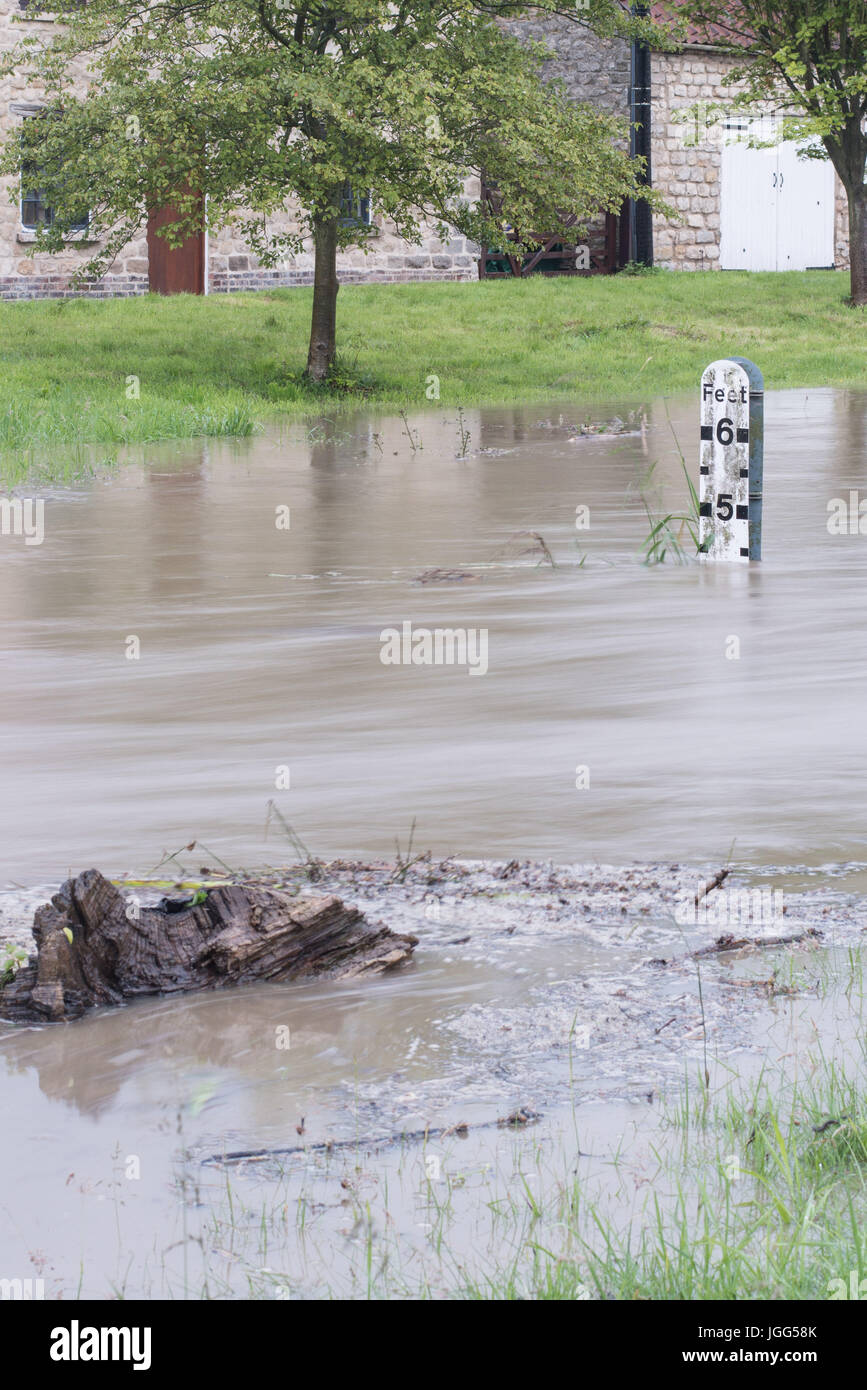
{"x": 858, "y": 242}
{"x": 323, "y": 331}
{"x": 96, "y": 947}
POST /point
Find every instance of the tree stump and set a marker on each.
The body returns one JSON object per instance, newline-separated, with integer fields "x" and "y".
{"x": 95, "y": 947}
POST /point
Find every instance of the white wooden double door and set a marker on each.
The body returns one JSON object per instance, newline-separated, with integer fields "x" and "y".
{"x": 776, "y": 211}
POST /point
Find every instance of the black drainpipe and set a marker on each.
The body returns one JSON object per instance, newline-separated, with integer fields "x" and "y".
{"x": 640, "y": 220}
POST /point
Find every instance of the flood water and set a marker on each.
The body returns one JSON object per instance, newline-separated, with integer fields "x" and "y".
{"x": 260, "y": 650}
{"x": 259, "y": 663}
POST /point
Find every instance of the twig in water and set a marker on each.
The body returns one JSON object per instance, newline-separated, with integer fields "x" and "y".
{"x": 711, "y": 885}
{"x": 167, "y": 858}
{"x": 412, "y": 435}
{"x": 522, "y": 1116}
{"x": 539, "y": 545}
{"x": 540, "y": 541}
{"x": 732, "y": 943}
{"x": 226, "y": 866}
{"x": 313, "y": 865}
{"x": 464, "y": 433}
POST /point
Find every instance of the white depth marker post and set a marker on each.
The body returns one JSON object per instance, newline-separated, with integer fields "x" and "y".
{"x": 731, "y": 400}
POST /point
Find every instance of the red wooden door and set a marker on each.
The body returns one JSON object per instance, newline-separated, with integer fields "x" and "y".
{"x": 174, "y": 271}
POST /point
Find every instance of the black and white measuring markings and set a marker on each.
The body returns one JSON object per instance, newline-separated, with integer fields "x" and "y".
{"x": 730, "y": 461}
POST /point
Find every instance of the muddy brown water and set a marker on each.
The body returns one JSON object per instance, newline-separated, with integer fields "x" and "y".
{"x": 260, "y": 651}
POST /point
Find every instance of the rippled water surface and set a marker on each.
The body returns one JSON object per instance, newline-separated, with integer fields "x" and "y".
{"x": 260, "y": 650}
{"x": 259, "y": 664}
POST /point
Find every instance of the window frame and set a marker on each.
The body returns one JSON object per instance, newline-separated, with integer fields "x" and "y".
{"x": 21, "y": 11}
{"x": 77, "y": 232}
{"x": 352, "y": 200}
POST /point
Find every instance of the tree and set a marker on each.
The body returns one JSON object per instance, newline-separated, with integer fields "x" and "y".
{"x": 810, "y": 58}
{"x": 249, "y": 103}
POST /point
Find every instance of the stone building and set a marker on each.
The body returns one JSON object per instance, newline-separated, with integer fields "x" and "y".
{"x": 734, "y": 203}
{"x": 738, "y": 207}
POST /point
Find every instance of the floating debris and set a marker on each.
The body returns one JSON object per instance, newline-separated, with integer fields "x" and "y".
{"x": 522, "y": 1116}
{"x": 439, "y": 576}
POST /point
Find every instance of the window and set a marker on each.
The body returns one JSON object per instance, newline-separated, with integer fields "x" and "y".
{"x": 354, "y": 208}
{"x": 35, "y": 211}
{"x": 44, "y": 9}
{"x": 750, "y": 127}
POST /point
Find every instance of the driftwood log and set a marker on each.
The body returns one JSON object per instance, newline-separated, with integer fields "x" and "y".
{"x": 728, "y": 942}
{"x": 96, "y": 947}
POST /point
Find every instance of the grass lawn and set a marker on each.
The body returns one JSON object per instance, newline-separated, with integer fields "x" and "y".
{"x": 222, "y": 364}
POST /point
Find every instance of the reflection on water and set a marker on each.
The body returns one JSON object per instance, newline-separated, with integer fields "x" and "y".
{"x": 260, "y": 652}
{"x": 107, "y": 1185}
{"x": 99, "y": 1114}
{"x": 260, "y": 647}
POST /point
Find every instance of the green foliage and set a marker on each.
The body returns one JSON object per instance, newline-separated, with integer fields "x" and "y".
{"x": 606, "y": 340}
{"x": 810, "y": 61}
{"x": 343, "y": 379}
{"x": 12, "y": 958}
{"x": 639, "y": 268}
{"x": 810, "y": 58}
{"x": 666, "y": 534}
{"x": 249, "y": 103}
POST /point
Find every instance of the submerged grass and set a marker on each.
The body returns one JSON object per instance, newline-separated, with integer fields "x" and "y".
{"x": 766, "y": 1199}
{"x": 780, "y": 1217}
{"x": 132, "y": 371}
{"x": 756, "y": 1192}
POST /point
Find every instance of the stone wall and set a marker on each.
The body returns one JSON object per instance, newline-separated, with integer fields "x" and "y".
{"x": 28, "y": 274}
{"x": 389, "y": 259}
{"x": 687, "y": 161}
{"x": 591, "y": 69}
{"x": 841, "y": 226}
{"x": 24, "y": 272}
